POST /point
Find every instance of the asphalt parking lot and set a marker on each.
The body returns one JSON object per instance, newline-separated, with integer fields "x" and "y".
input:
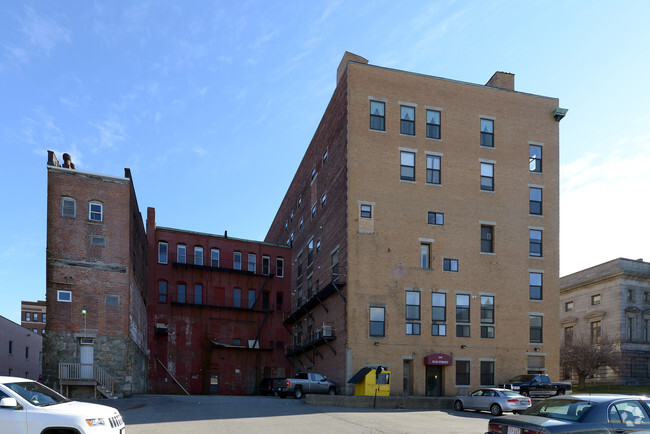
{"x": 260, "y": 414}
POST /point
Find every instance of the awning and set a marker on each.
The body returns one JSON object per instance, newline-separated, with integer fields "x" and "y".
{"x": 438, "y": 359}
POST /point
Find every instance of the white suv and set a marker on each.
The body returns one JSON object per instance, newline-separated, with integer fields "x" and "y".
{"x": 29, "y": 407}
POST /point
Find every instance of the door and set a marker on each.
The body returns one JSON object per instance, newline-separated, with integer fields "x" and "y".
{"x": 214, "y": 384}
{"x": 86, "y": 360}
{"x": 434, "y": 381}
{"x": 407, "y": 388}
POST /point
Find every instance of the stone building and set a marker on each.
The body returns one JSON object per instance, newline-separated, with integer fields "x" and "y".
{"x": 424, "y": 224}
{"x": 96, "y": 335}
{"x": 216, "y": 309}
{"x": 20, "y": 351}
{"x": 33, "y": 315}
{"x": 613, "y": 300}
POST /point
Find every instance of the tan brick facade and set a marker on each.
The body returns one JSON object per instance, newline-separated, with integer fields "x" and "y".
{"x": 379, "y": 253}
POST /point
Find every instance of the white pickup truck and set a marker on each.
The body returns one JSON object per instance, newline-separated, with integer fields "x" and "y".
{"x": 28, "y": 407}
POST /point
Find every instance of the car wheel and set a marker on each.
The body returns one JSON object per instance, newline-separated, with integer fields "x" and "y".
{"x": 516, "y": 411}
{"x": 458, "y": 406}
{"x": 495, "y": 409}
{"x": 524, "y": 393}
{"x": 560, "y": 392}
{"x": 332, "y": 391}
{"x": 297, "y": 393}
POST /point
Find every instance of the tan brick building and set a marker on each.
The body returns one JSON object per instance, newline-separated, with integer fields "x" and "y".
{"x": 424, "y": 224}
{"x": 612, "y": 300}
{"x": 95, "y": 332}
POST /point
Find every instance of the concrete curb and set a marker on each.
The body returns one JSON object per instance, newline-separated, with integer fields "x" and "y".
{"x": 414, "y": 402}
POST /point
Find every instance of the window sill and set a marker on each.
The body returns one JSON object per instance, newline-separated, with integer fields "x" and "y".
{"x": 406, "y": 181}
{"x": 486, "y": 191}
{"x": 434, "y": 185}
{"x": 535, "y": 215}
{"x": 407, "y": 135}
{"x": 433, "y": 139}
{"x": 377, "y": 131}
{"x": 488, "y": 253}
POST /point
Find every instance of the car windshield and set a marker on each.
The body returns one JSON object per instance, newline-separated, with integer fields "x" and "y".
{"x": 36, "y": 393}
{"x": 520, "y": 378}
{"x": 565, "y": 409}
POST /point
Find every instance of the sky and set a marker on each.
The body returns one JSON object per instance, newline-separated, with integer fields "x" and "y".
{"x": 212, "y": 104}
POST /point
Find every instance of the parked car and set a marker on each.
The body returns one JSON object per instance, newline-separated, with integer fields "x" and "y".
{"x": 305, "y": 382}
{"x": 494, "y": 400}
{"x": 28, "y": 407}
{"x": 267, "y": 384}
{"x": 578, "y": 413}
{"x": 536, "y": 385}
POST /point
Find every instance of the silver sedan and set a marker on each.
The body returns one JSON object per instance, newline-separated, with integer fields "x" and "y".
{"x": 494, "y": 400}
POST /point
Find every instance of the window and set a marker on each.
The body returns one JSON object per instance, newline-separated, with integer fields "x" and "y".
{"x": 44, "y": 317}
{"x": 646, "y": 330}
{"x": 462, "y": 308}
{"x": 325, "y": 157}
{"x": 251, "y": 298}
{"x": 252, "y": 262}
{"x": 11, "y": 347}
{"x": 112, "y": 300}
{"x": 214, "y": 258}
{"x": 64, "y": 296}
{"x": 487, "y": 239}
{"x": 449, "y": 264}
{"x": 366, "y": 211}
{"x": 535, "y": 158}
{"x": 630, "y": 295}
{"x": 568, "y": 334}
{"x": 433, "y": 169}
{"x": 181, "y": 253}
{"x": 335, "y": 265}
{"x": 438, "y": 306}
{"x": 487, "y": 373}
{"x": 162, "y": 252}
{"x": 462, "y": 373}
{"x": 377, "y": 321}
{"x": 279, "y": 267}
{"x": 425, "y": 256}
{"x": 236, "y": 261}
{"x": 236, "y": 297}
{"x": 568, "y": 306}
{"x": 27, "y": 352}
{"x": 310, "y": 252}
{"x": 535, "y": 200}
{"x": 629, "y": 328}
{"x": 300, "y": 224}
{"x": 436, "y": 218}
{"x": 536, "y": 329}
{"x": 313, "y": 173}
{"x": 433, "y": 124}
{"x": 313, "y": 211}
{"x": 323, "y": 199}
{"x": 535, "y": 285}
{"x": 265, "y": 301}
{"x": 407, "y": 166}
{"x": 438, "y": 329}
{"x": 377, "y": 116}
{"x": 317, "y": 246}
{"x": 412, "y": 328}
{"x": 413, "y": 305}
{"x": 181, "y": 292}
{"x": 198, "y": 255}
{"x": 95, "y": 211}
{"x": 299, "y": 201}
{"x": 28, "y": 316}
{"x": 266, "y": 265}
{"x": 162, "y": 291}
{"x": 487, "y": 316}
{"x": 198, "y": 293}
{"x": 96, "y": 240}
{"x": 595, "y": 329}
{"x": 407, "y": 117}
{"x": 487, "y": 177}
{"x": 279, "y": 299}
{"x": 487, "y": 133}
{"x": 68, "y": 207}
{"x": 35, "y": 317}
{"x": 535, "y": 242}
{"x": 595, "y": 299}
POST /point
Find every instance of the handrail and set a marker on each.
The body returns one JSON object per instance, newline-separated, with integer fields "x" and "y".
{"x": 170, "y": 374}
{"x": 87, "y": 371}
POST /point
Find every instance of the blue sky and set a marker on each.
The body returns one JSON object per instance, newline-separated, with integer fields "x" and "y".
{"x": 211, "y": 104}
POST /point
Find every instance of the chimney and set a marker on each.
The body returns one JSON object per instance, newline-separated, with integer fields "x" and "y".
{"x": 52, "y": 160}
{"x": 502, "y": 80}
{"x": 347, "y": 57}
{"x": 67, "y": 162}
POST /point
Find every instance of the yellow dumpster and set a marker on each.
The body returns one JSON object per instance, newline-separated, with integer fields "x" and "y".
{"x": 371, "y": 382}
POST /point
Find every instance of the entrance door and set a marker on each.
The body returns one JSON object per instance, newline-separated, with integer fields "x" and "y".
{"x": 434, "y": 381}
{"x": 407, "y": 388}
{"x": 86, "y": 360}
{"x": 214, "y": 384}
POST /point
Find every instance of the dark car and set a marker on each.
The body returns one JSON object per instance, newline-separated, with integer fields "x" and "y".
{"x": 266, "y": 386}
{"x": 579, "y": 413}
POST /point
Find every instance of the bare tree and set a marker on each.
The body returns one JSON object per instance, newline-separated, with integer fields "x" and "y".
{"x": 585, "y": 357}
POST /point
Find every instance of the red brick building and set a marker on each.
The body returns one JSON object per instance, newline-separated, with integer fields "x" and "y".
{"x": 216, "y": 310}
{"x": 33, "y": 315}
{"x": 95, "y": 333}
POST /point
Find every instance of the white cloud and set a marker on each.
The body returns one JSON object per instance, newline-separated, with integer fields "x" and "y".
{"x": 111, "y": 133}
{"x": 40, "y": 35}
{"x": 604, "y": 207}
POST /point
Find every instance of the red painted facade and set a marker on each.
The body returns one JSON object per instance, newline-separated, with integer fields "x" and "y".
{"x": 215, "y": 324}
